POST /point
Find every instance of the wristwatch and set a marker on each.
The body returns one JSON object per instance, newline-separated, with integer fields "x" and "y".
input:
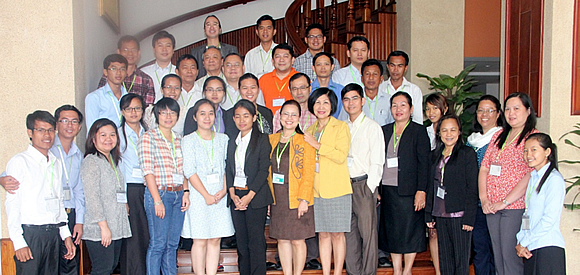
{"x": 505, "y": 202}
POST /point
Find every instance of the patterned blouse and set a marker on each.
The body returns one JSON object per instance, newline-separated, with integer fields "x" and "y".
{"x": 513, "y": 169}
{"x": 160, "y": 157}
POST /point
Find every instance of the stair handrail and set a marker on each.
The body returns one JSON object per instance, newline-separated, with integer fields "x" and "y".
{"x": 292, "y": 27}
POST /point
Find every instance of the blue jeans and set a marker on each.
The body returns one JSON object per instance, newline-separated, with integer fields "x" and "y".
{"x": 164, "y": 233}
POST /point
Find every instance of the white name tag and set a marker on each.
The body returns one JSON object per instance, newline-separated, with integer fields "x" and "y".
{"x": 392, "y": 162}
{"x": 177, "y": 179}
{"x": 276, "y": 102}
{"x": 240, "y": 182}
{"x": 121, "y": 197}
{"x": 441, "y": 192}
{"x": 213, "y": 178}
{"x": 136, "y": 173}
{"x": 525, "y": 221}
{"x": 278, "y": 178}
{"x": 349, "y": 161}
{"x": 495, "y": 170}
{"x": 67, "y": 194}
{"x": 317, "y": 167}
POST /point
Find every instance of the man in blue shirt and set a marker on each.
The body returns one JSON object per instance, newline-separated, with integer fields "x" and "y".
{"x": 104, "y": 102}
{"x": 323, "y": 66}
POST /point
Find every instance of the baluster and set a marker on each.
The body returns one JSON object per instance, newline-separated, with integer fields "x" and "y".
{"x": 366, "y": 11}
{"x": 320, "y": 8}
{"x": 333, "y": 30}
{"x": 307, "y": 15}
{"x": 350, "y": 16}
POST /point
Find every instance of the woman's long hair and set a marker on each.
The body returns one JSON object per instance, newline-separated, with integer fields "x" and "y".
{"x": 530, "y": 121}
{"x": 91, "y": 149}
{"x": 125, "y": 103}
{"x": 546, "y": 142}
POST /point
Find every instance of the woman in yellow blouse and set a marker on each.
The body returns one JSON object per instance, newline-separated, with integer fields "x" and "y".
{"x": 332, "y": 188}
{"x": 291, "y": 178}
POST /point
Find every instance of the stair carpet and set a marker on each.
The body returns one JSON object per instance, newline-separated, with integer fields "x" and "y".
{"x": 229, "y": 257}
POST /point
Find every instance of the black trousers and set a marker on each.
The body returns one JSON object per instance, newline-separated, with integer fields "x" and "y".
{"x": 250, "y": 226}
{"x": 44, "y": 242}
{"x": 454, "y": 246}
{"x": 134, "y": 249}
{"x": 103, "y": 259}
{"x": 549, "y": 260}
{"x": 69, "y": 267}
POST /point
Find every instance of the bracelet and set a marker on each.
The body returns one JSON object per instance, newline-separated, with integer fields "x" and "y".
{"x": 186, "y": 190}
{"x": 158, "y": 203}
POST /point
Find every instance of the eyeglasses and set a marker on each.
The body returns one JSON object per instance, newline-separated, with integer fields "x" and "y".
{"x": 303, "y": 88}
{"x": 488, "y": 111}
{"x": 290, "y": 115}
{"x": 349, "y": 99}
{"x": 44, "y": 131}
{"x": 115, "y": 69}
{"x": 168, "y": 113}
{"x": 233, "y": 65}
{"x": 175, "y": 88}
{"x": 131, "y": 109}
{"x": 212, "y": 90}
{"x": 126, "y": 50}
{"x": 318, "y": 36}
{"x": 66, "y": 121}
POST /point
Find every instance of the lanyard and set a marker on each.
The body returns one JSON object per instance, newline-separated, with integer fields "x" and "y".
{"x": 280, "y": 89}
{"x": 529, "y": 193}
{"x": 395, "y": 90}
{"x": 305, "y": 125}
{"x": 360, "y": 126}
{"x": 267, "y": 56}
{"x": 352, "y": 73}
{"x": 443, "y": 167}
{"x": 157, "y": 76}
{"x": 115, "y": 104}
{"x": 278, "y": 153}
{"x": 261, "y": 122}
{"x": 66, "y": 173}
{"x": 395, "y": 140}
{"x": 506, "y": 143}
{"x": 230, "y": 98}
{"x": 132, "y": 82}
{"x": 207, "y": 151}
{"x": 319, "y": 136}
{"x": 132, "y": 143}
{"x": 172, "y": 147}
{"x": 370, "y": 109}
{"x": 116, "y": 173}
{"x": 186, "y": 104}
{"x": 219, "y": 128}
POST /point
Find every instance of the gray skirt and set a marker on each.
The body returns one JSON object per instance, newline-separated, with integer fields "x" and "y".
{"x": 333, "y": 215}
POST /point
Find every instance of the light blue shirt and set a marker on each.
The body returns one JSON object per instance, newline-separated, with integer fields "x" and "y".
{"x": 71, "y": 163}
{"x": 129, "y": 158}
{"x": 102, "y": 103}
{"x": 378, "y": 108}
{"x": 545, "y": 210}
{"x": 337, "y": 89}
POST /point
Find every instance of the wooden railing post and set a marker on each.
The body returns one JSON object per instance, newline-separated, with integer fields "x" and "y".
{"x": 307, "y": 11}
{"x": 333, "y": 29}
{"x": 366, "y": 11}
{"x": 320, "y": 9}
{"x": 350, "y": 16}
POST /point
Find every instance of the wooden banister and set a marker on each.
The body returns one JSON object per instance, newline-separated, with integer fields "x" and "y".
{"x": 291, "y": 22}
{"x": 190, "y": 15}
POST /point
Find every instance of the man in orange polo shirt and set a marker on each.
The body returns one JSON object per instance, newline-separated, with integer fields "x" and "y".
{"x": 274, "y": 85}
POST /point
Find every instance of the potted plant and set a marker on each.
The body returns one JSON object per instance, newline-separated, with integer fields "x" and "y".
{"x": 574, "y": 180}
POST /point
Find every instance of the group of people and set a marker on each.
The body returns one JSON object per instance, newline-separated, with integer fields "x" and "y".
{"x": 213, "y": 145}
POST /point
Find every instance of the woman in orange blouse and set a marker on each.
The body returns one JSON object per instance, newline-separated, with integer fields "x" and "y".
{"x": 503, "y": 179}
{"x": 291, "y": 179}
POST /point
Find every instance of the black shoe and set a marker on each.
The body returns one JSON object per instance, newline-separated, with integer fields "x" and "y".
{"x": 273, "y": 266}
{"x": 313, "y": 264}
{"x": 229, "y": 244}
{"x": 384, "y": 262}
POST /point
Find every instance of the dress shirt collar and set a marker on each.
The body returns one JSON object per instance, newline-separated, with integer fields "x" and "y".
{"x": 158, "y": 68}
{"x": 245, "y": 139}
{"x": 539, "y": 174}
{"x": 357, "y": 122}
{"x": 261, "y": 47}
{"x": 38, "y": 157}
{"x": 390, "y": 84}
{"x": 74, "y": 149}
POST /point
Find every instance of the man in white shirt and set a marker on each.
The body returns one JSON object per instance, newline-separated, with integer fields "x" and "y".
{"x": 365, "y": 165}
{"x": 258, "y": 60}
{"x": 186, "y": 68}
{"x": 163, "y": 47}
{"x": 315, "y": 40}
{"x": 397, "y": 64}
{"x": 358, "y": 52}
{"x": 212, "y": 63}
{"x": 37, "y": 221}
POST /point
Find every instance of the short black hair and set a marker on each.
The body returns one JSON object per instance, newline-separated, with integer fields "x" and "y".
{"x": 283, "y": 46}
{"x": 68, "y": 107}
{"x": 265, "y": 17}
{"x": 296, "y": 76}
{"x": 221, "y": 81}
{"x": 114, "y": 58}
{"x": 500, "y": 120}
{"x": 198, "y": 104}
{"x": 246, "y": 104}
{"x": 314, "y": 26}
{"x": 39, "y": 115}
{"x": 128, "y": 38}
{"x": 321, "y": 54}
{"x": 406, "y": 95}
{"x": 211, "y": 47}
{"x": 212, "y": 15}
{"x": 372, "y": 62}
{"x": 163, "y": 34}
{"x": 236, "y": 54}
{"x": 320, "y": 92}
{"x": 248, "y": 76}
{"x": 168, "y": 76}
{"x": 358, "y": 39}
{"x": 398, "y": 53}
{"x": 352, "y": 87}
{"x": 185, "y": 57}
{"x": 164, "y": 104}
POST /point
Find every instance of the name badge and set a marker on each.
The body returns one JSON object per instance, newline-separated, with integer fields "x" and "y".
{"x": 349, "y": 161}
{"x": 136, "y": 173}
{"x": 392, "y": 162}
{"x": 441, "y": 192}
{"x": 178, "y": 179}
{"x": 316, "y": 168}
{"x": 277, "y": 102}
{"x": 52, "y": 204}
{"x": 213, "y": 178}
{"x": 121, "y": 197}
{"x": 67, "y": 194}
{"x": 495, "y": 170}
{"x": 240, "y": 182}
{"x": 278, "y": 178}
{"x": 525, "y": 221}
